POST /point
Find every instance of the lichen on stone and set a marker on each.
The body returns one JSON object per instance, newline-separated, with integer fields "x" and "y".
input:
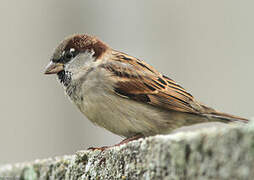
{"x": 226, "y": 153}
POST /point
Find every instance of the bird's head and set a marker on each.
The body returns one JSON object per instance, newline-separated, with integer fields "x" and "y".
{"x": 73, "y": 54}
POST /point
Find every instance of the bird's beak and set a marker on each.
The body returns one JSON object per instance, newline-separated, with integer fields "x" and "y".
{"x": 53, "y": 68}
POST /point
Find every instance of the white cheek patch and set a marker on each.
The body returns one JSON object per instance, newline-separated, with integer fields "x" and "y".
{"x": 81, "y": 62}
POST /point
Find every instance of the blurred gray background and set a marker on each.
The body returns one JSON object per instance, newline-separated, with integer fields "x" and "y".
{"x": 207, "y": 46}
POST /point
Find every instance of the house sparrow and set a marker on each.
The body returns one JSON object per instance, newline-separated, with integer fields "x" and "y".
{"x": 124, "y": 94}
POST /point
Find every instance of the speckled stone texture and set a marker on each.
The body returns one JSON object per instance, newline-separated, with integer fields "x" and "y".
{"x": 210, "y": 153}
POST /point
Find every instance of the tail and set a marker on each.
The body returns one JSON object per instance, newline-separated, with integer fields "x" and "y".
{"x": 227, "y": 118}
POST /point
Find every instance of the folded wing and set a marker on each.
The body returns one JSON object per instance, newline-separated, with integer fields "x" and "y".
{"x": 136, "y": 80}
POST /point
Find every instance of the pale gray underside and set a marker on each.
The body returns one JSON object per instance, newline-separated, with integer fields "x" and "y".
{"x": 93, "y": 94}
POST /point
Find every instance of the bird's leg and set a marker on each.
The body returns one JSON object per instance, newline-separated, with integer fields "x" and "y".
{"x": 99, "y": 148}
{"x": 138, "y": 136}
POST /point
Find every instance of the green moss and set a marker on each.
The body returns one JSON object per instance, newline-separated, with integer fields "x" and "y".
{"x": 29, "y": 173}
{"x": 210, "y": 154}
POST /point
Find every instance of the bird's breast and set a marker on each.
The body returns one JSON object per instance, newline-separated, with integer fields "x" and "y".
{"x": 119, "y": 115}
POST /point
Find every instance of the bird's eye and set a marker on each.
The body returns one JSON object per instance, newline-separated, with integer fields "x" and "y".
{"x": 68, "y": 55}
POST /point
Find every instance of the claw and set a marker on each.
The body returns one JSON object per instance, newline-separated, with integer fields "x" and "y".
{"x": 122, "y": 142}
{"x": 99, "y": 148}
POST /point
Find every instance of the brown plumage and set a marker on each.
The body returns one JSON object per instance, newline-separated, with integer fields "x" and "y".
{"x": 123, "y": 94}
{"x": 141, "y": 82}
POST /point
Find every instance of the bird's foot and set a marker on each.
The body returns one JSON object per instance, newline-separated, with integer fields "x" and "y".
{"x": 136, "y": 137}
{"x": 122, "y": 142}
{"x": 99, "y": 148}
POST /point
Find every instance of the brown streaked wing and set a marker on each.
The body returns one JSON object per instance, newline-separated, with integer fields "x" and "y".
{"x": 139, "y": 81}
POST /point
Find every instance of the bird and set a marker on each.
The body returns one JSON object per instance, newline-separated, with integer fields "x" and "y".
{"x": 124, "y": 94}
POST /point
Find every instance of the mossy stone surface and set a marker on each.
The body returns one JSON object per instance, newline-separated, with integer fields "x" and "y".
{"x": 203, "y": 154}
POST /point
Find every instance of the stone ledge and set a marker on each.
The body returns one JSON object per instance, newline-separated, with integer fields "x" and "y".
{"x": 209, "y": 153}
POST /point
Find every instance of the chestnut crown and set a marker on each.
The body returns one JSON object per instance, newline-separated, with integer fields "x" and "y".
{"x": 75, "y": 44}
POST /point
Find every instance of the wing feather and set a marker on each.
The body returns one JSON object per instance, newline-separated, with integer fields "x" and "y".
{"x": 136, "y": 80}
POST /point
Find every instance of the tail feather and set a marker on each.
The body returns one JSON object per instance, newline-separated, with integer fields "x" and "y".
{"x": 228, "y": 117}
{"x": 223, "y": 116}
